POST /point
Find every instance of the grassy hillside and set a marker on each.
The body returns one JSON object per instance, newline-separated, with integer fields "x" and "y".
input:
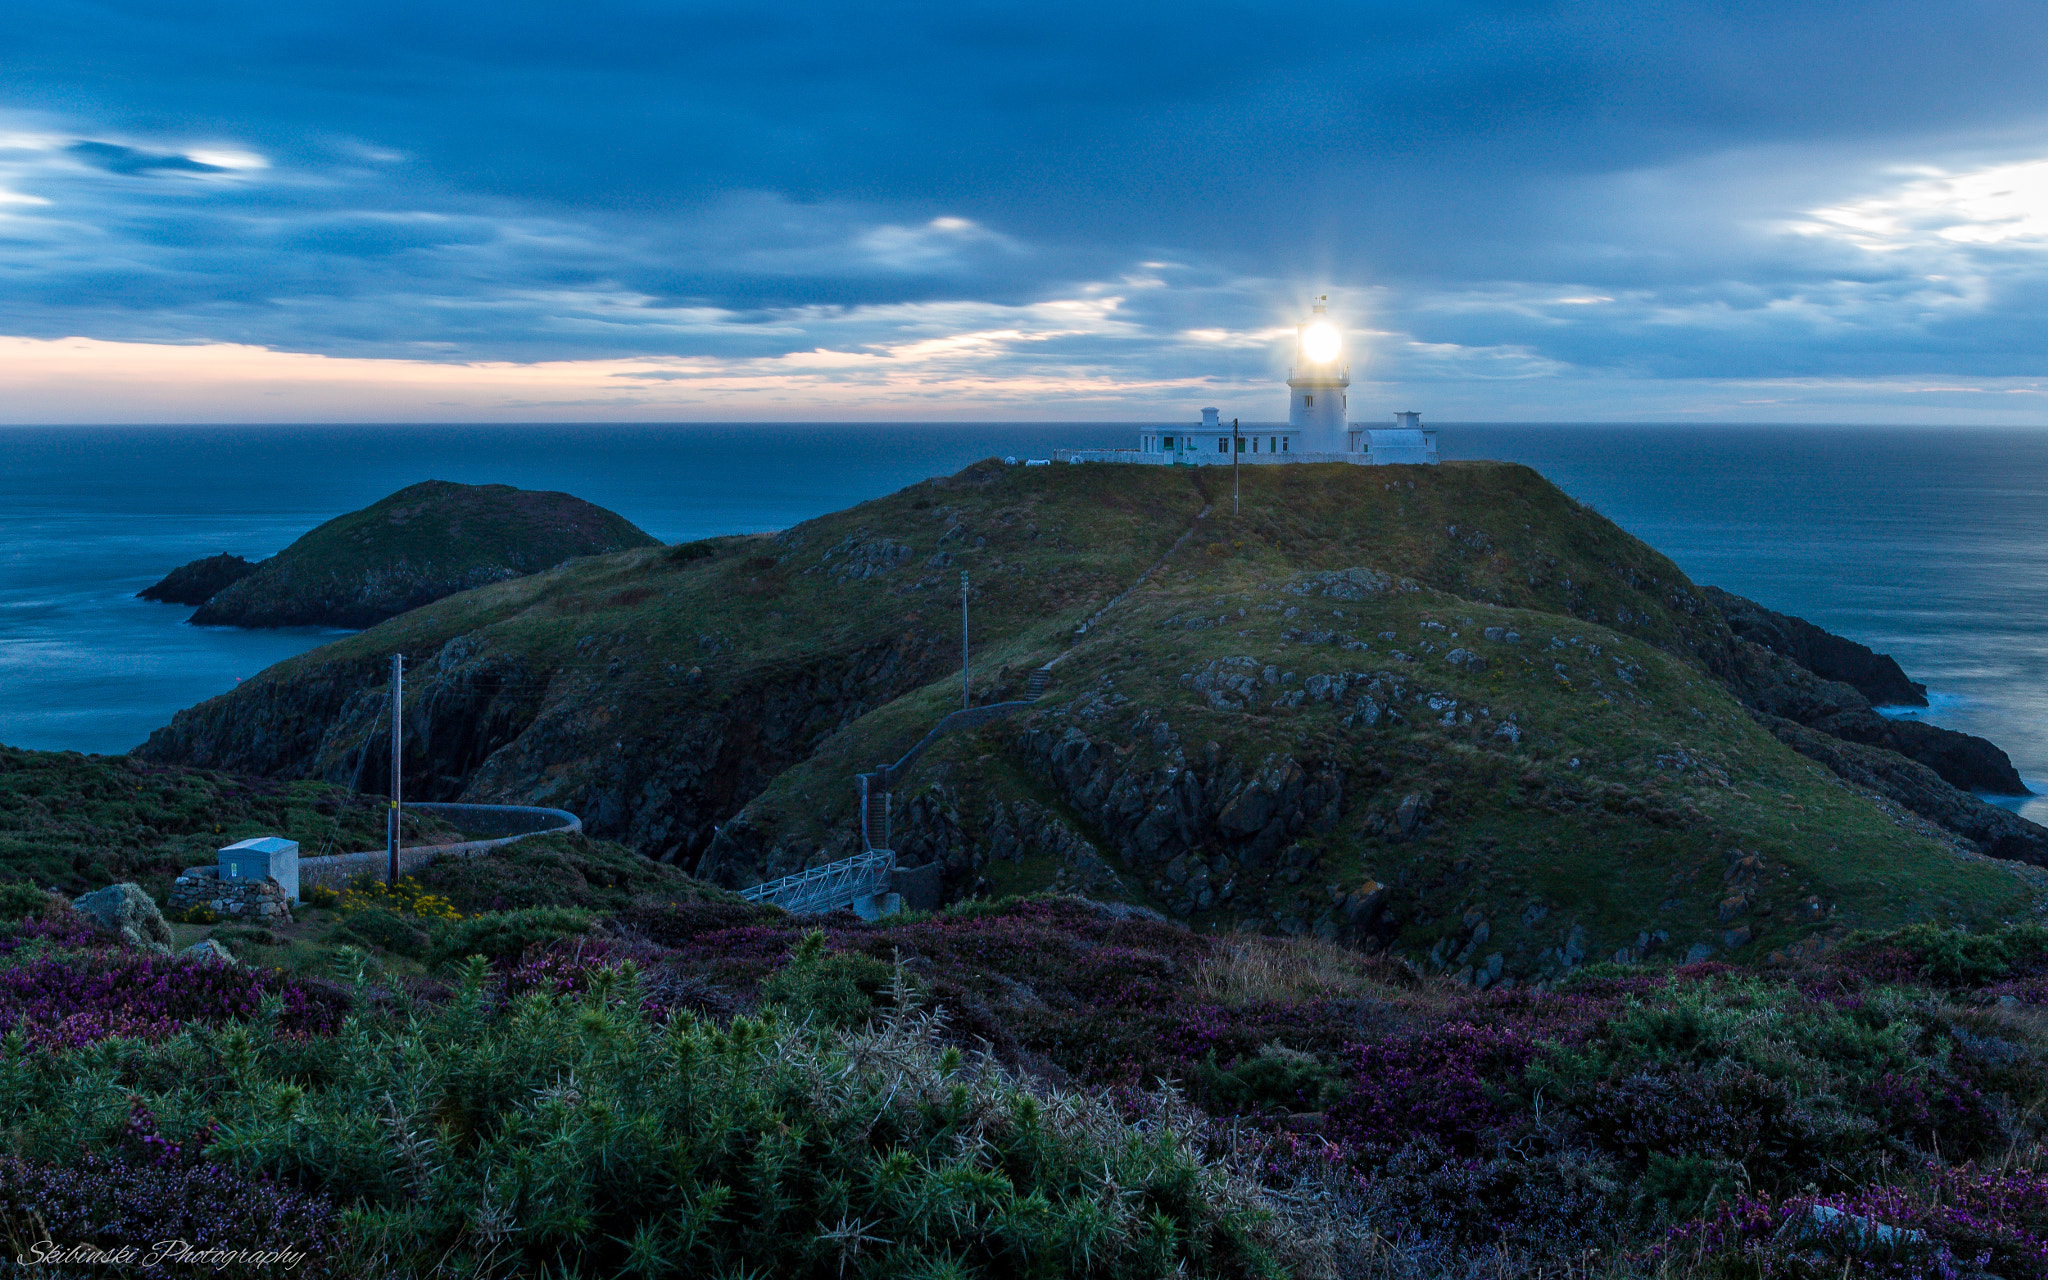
{"x": 1445, "y": 711}
{"x": 424, "y": 542}
{"x": 77, "y": 822}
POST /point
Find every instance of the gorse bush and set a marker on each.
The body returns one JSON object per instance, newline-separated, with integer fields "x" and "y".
{"x": 833, "y": 989}
{"x": 505, "y": 935}
{"x": 585, "y": 1136}
{"x": 19, "y": 898}
{"x": 381, "y": 927}
{"x": 1956, "y": 958}
{"x": 407, "y": 897}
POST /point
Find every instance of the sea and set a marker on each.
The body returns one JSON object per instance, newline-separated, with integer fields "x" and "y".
{"x": 1930, "y": 544}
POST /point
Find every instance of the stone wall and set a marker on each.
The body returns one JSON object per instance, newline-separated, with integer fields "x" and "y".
{"x": 257, "y": 901}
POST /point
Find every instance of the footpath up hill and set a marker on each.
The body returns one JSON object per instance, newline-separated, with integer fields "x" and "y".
{"x": 424, "y": 542}
{"x": 1448, "y": 712}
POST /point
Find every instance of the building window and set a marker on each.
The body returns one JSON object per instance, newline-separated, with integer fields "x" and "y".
{"x": 1222, "y": 445}
{"x": 1273, "y": 445}
{"x": 1308, "y": 402}
{"x": 1284, "y": 442}
{"x": 1169, "y": 442}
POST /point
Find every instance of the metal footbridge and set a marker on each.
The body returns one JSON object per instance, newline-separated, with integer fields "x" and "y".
{"x": 861, "y": 882}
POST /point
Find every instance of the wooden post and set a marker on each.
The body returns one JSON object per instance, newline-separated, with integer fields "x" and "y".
{"x": 966, "y": 696}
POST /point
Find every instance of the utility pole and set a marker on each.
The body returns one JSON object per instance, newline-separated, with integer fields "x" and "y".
{"x": 396, "y": 815}
{"x": 966, "y": 696}
{"x": 1236, "y": 446}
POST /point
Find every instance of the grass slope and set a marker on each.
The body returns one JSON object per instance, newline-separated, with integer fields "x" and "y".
{"x": 423, "y": 542}
{"x": 659, "y": 691}
{"x": 78, "y": 822}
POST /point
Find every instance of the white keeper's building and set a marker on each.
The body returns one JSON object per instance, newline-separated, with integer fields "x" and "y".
{"x": 1319, "y": 427}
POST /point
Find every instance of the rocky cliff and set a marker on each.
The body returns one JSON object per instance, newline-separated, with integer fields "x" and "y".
{"x": 1413, "y": 707}
{"x": 422, "y": 543}
{"x": 199, "y": 581}
{"x": 1831, "y": 657}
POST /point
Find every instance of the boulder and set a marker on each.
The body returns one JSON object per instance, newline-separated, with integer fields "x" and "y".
{"x": 208, "y": 951}
{"x": 130, "y": 914}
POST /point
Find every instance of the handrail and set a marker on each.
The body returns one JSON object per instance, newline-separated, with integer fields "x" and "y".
{"x": 836, "y": 884}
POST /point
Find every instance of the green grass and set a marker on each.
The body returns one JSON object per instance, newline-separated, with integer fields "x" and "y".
{"x": 80, "y": 822}
{"x": 425, "y": 540}
{"x": 558, "y": 871}
{"x": 645, "y": 655}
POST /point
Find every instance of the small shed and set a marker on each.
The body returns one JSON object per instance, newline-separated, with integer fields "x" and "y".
{"x": 261, "y": 856}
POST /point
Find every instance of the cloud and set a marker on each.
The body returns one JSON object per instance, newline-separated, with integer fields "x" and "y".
{"x": 1125, "y": 201}
{"x": 129, "y": 162}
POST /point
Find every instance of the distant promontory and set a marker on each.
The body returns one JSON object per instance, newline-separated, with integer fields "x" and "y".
{"x": 424, "y": 542}
{"x": 199, "y": 581}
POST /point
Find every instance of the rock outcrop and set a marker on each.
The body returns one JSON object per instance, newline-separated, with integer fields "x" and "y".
{"x": 1777, "y": 686}
{"x": 1876, "y": 676}
{"x": 208, "y": 951}
{"x": 128, "y": 913}
{"x": 422, "y": 543}
{"x": 199, "y": 581}
{"x": 1999, "y": 832}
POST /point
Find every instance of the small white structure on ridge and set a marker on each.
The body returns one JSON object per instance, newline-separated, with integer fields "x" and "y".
{"x": 1318, "y": 425}
{"x": 261, "y": 856}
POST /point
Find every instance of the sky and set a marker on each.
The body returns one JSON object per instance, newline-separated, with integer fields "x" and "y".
{"x": 440, "y": 210}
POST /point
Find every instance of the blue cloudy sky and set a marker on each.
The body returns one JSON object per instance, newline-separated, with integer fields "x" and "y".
{"x": 1607, "y": 209}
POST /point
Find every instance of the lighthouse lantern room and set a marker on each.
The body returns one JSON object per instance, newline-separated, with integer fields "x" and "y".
{"x": 1316, "y": 405}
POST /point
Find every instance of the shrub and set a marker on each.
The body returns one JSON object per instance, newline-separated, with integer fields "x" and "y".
{"x": 1446, "y": 1085}
{"x": 579, "y": 1134}
{"x": 65, "y": 930}
{"x": 1947, "y": 1223}
{"x": 833, "y": 989}
{"x": 74, "y": 1000}
{"x": 407, "y": 897}
{"x": 1273, "y": 1081}
{"x": 112, "y": 1204}
{"x": 20, "y": 898}
{"x": 383, "y": 928}
{"x": 1955, "y": 957}
{"x": 505, "y": 935}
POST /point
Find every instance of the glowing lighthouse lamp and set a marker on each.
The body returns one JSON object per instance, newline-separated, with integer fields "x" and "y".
{"x": 1316, "y": 406}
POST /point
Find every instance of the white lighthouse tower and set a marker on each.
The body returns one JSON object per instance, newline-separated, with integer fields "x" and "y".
{"x": 1316, "y": 408}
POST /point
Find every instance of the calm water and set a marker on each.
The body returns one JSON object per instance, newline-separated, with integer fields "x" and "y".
{"x": 1928, "y": 544}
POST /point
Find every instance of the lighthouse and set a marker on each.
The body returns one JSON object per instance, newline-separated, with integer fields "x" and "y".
{"x": 1319, "y": 428}
{"x": 1316, "y": 408}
